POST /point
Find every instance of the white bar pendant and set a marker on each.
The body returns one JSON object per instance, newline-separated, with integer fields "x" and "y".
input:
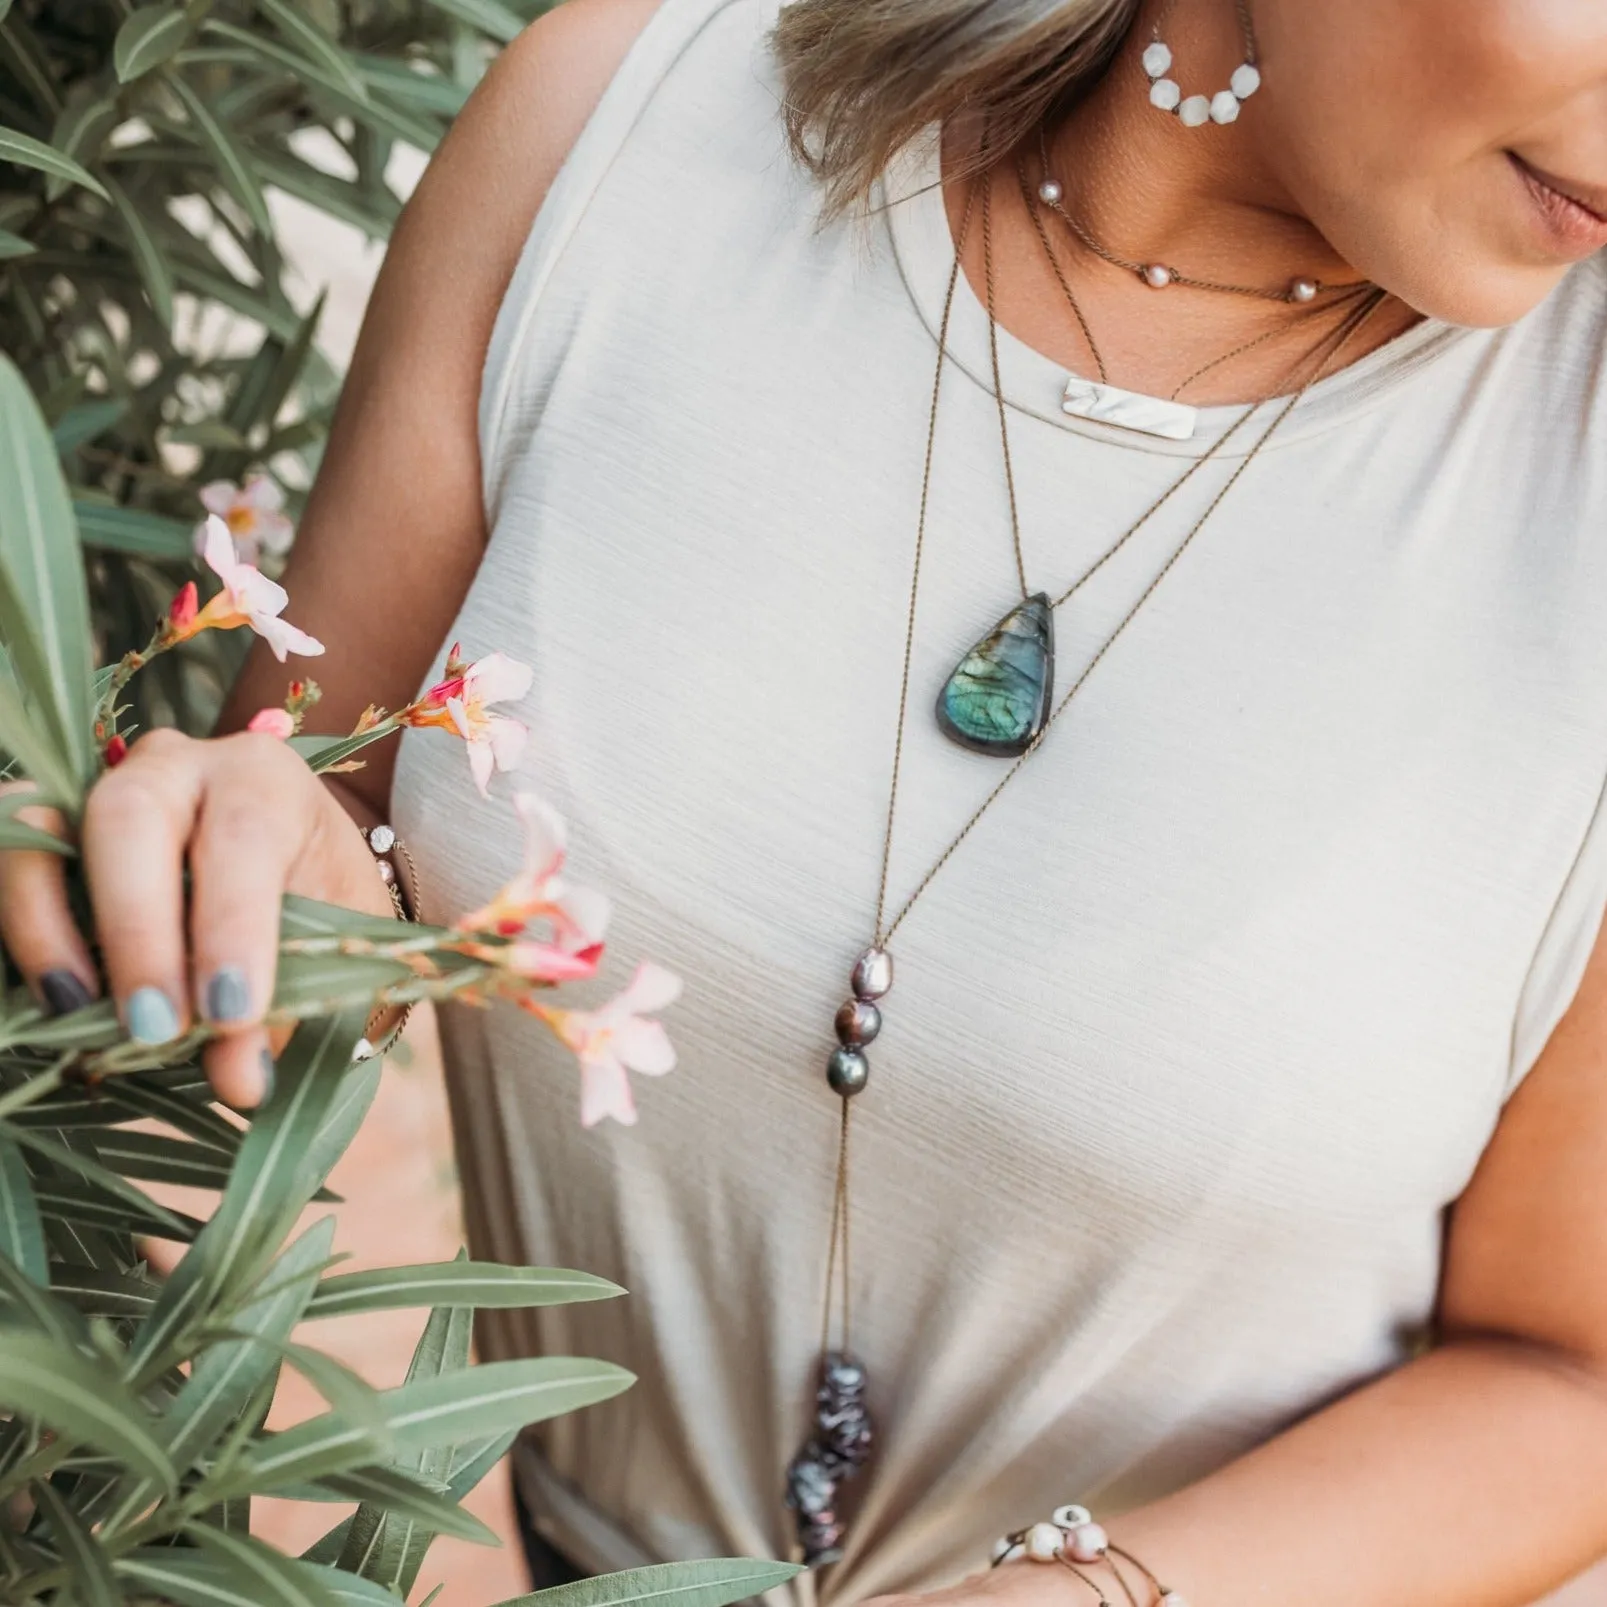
{"x": 1150, "y": 415}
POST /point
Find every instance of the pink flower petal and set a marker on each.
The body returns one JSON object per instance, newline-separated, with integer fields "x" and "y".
{"x": 262, "y": 493}
{"x": 284, "y": 638}
{"x": 645, "y": 1046}
{"x": 543, "y": 962}
{"x": 652, "y": 988}
{"x": 460, "y": 718}
{"x": 255, "y": 593}
{"x": 217, "y": 548}
{"x": 496, "y": 678}
{"x": 605, "y": 1090}
{"x": 276, "y": 533}
{"x": 507, "y": 739}
{"x": 546, "y": 835}
{"x": 273, "y": 723}
{"x": 586, "y": 913}
{"x": 220, "y": 497}
{"x": 481, "y": 765}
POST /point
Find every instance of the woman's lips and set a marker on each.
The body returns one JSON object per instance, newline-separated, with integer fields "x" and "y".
{"x": 1568, "y": 212}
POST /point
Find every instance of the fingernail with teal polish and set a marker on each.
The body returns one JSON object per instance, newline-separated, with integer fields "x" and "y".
{"x": 267, "y": 1078}
{"x": 150, "y": 1017}
{"x": 228, "y": 995}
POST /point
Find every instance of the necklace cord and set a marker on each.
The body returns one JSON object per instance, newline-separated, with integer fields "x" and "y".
{"x": 998, "y": 385}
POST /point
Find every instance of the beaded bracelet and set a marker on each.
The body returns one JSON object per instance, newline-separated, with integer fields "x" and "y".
{"x": 383, "y": 843}
{"x": 1070, "y": 1537}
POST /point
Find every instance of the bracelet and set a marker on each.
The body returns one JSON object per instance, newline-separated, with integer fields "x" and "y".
{"x": 1071, "y": 1537}
{"x": 383, "y": 843}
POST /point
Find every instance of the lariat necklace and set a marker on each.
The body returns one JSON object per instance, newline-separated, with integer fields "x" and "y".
{"x": 841, "y": 1434}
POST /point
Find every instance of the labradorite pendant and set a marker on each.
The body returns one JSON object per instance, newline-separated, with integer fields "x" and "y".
{"x": 997, "y": 701}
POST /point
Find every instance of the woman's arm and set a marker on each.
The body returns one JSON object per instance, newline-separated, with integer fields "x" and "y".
{"x": 1473, "y": 1477}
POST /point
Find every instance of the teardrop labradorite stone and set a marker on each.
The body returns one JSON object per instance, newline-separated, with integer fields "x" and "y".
{"x": 996, "y": 702}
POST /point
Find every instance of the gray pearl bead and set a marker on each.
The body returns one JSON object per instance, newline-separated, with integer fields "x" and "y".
{"x": 873, "y": 974}
{"x": 847, "y": 1071}
{"x": 858, "y": 1022}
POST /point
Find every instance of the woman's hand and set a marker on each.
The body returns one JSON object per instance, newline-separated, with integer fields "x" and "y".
{"x": 252, "y": 823}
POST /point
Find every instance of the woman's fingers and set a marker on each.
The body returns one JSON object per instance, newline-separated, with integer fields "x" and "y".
{"x": 36, "y": 922}
{"x": 136, "y": 823}
{"x": 251, "y": 827}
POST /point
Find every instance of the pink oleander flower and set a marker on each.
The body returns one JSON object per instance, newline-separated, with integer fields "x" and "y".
{"x": 578, "y": 916}
{"x": 254, "y": 513}
{"x": 274, "y": 723}
{"x": 461, "y": 702}
{"x": 615, "y": 1040}
{"x": 248, "y": 597}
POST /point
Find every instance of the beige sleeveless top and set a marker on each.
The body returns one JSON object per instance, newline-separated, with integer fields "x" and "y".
{"x": 1206, "y": 1025}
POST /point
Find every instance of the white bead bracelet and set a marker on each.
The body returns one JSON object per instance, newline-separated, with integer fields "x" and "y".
{"x": 1072, "y": 1537}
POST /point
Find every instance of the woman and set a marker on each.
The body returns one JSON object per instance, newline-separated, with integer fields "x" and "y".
{"x": 1231, "y": 1163}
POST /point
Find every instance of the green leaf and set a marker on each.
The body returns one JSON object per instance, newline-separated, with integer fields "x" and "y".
{"x": 84, "y": 422}
{"x": 13, "y": 834}
{"x": 148, "y": 38}
{"x": 103, "y": 1293}
{"x": 131, "y": 530}
{"x": 13, "y": 246}
{"x": 207, "y": 432}
{"x": 374, "y": 215}
{"x": 51, "y": 1315}
{"x": 157, "y": 1158}
{"x": 235, "y": 171}
{"x": 488, "y": 16}
{"x": 81, "y": 1400}
{"x": 435, "y": 1411}
{"x": 88, "y": 1567}
{"x": 405, "y": 1494}
{"x": 73, "y": 1200}
{"x": 484, "y": 1285}
{"x": 714, "y": 1583}
{"x": 100, "y": 1185}
{"x": 22, "y": 1232}
{"x": 280, "y": 1581}
{"x": 218, "y": 1577}
{"x": 22, "y": 734}
{"x": 430, "y": 92}
{"x": 25, "y": 151}
{"x": 44, "y": 606}
{"x": 80, "y": 132}
{"x": 154, "y": 270}
{"x": 310, "y": 41}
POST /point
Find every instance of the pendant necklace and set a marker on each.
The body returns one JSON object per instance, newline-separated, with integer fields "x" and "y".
{"x": 840, "y": 1436}
{"x": 998, "y": 697}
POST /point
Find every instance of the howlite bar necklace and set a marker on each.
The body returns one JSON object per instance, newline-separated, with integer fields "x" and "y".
{"x": 841, "y": 1433}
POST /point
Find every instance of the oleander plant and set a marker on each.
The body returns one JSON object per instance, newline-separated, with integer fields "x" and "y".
{"x": 163, "y": 402}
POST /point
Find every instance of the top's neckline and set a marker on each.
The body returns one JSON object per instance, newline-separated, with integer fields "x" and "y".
{"x": 1033, "y": 383}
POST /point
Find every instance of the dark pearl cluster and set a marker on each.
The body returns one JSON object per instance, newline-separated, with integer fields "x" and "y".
{"x": 858, "y": 1023}
{"x": 837, "y": 1449}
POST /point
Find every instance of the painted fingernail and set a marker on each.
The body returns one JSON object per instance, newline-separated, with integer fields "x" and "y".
{"x": 63, "y": 993}
{"x": 228, "y": 995}
{"x": 267, "y": 1078}
{"x": 150, "y": 1017}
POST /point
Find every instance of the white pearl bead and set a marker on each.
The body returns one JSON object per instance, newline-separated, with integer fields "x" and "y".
{"x": 1072, "y": 1517}
{"x": 1165, "y": 94}
{"x": 1044, "y": 1541}
{"x": 1303, "y": 290}
{"x": 1088, "y": 1542}
{"x": 381, "y": 839}
{"x": 1195, "y": 112}
{"x": 1001, "y": 1549}
{"x": 1050, "y": 192}
{"x": 1157, "y": 276}
{"x": 1172, "y": 1599}
{"x": 1225, "y": 107}
{"x": 1157, "y": 60}
{"x": 1246, "y": 80}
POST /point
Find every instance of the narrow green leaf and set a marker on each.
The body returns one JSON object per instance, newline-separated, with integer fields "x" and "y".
{"x": 81, "y": 1400}
{"x": 132, "y": 530}
{"x": 83, "y": 423}
{"x": 100, "y": 1293}
{"x": 157, "y": 1158}
{"x": 44, "y": 605}
{"x": 154, "y": 270}
{"x": 211, "y": 1578}
{"x": 394, "y": 1491}
{"x": 50, "y": 1314}
{"x": 310, "y": 41}
{"x": 5, "y": 6}
{"x": 233, "y": 167}
{"x": 22, "y": 1232}
{"x": 21, "y": 733}
{"x": 13, "y": 834}
{"x": 88, "y": 1567}
{"x": 434, "y": 1596}
{"x": 280, "y": 1581}
{"x": 715, "y": 1583}
{"x": 25, "y": 151}
{"x": 207, "y": 432}
{"x": 100, "y": 1184}
{"x": 489, "y": 16}
{"x": 74, "y": 1201}
{"x": 481, "y": 1284}
{"x": 80, "y": 132}
{"x": 431, "y": 92}
{"x": 374, "y": 215}
{"x": 13, "y": 246}
{"x": 148, "y": 38}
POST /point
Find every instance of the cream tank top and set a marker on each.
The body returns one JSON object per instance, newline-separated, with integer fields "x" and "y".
{"x": 1208, "y": 1022}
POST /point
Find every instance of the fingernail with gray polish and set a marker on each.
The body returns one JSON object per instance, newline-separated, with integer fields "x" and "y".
{"x": 267, "y": 1078}
{"x": 150, "y": 1017}
{"x": 63, "y": 993}
{"x": 228, "y": 995}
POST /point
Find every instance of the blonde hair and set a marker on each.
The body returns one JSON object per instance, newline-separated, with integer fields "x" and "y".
{"x": 862, "y": 78}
